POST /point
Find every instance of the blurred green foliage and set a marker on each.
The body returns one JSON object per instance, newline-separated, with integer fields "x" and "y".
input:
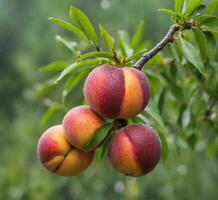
{"x": 27, "y": 42}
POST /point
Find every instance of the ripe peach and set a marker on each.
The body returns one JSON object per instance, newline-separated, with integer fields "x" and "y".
{"x": 115, "y": 92}
{"x": 80, "y": 124}
{"x": 58, "y": 156}
{"x": 135, "y": 150}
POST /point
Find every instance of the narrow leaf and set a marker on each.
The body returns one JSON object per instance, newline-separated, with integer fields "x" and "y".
{"x": 202, "y": 42}
{"x": 96, "y": 54}
{"x": 152, "y": 110}
{"x": 167, "y": 11}
{"x": 178, "y": 6}
{"x": 164, "y": 145}
{"x": 210, "y": 24}
{"x": 99, "y": 136}
{"x": 76, "y": 65}
{"x": 82, "y": 22}
{"x": 191, "y": 6}
{"x": 211, "y": 45}
{"x": 103, "y": 149}
{"x": 186, "y": 117}
{"x": 72, "y": 82}
{"x": 44, "y": 89}
{"x": 192, "y": 55}
{"x": 108, "y": 39}
{"x": 203, "y": 18}
{"x": 49, "y": 114}
{"x": 161, "y": 100}
{"x": 124, "y": 43}
{"x": 69, "y": 27}
{"x": 137, "y": 37}
{"x": 71, "y": 45}
{"x": 54, "y": 66}
{"x": 198, "y": 10}
{"x": 212, "y": 7}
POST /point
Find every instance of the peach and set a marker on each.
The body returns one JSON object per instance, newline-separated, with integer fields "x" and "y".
{"x": 116, "y": 92}
{"x": 80, "y": 124}
{"x": 58, "y": 156}
{"x": 135, "y": 150}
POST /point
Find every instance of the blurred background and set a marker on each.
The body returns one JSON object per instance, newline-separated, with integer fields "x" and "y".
{"x": 26, "y": 43}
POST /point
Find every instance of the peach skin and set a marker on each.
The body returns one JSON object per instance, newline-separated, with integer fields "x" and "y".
{"x": 135, "y": 150}
{"x": 59, "y": 156}
{"x": 80, "y": 124}
{"x": 115, "y": 92}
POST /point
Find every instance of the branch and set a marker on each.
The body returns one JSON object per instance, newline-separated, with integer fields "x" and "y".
{"x": 167, "y": 39}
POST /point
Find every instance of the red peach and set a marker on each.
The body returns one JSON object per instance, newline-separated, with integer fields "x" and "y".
{"x": 80, "y": 124}
{"x": 135, "y": 150}
{"x": 58, "y": 156}
{"x": 115, "y": 92}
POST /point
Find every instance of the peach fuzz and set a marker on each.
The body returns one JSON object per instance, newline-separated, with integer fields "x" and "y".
{"x": 58, "y": 156}
{"x": 116, "y": 92}
{"x": 135, "y": 150}
{"x": 80, "y": 124}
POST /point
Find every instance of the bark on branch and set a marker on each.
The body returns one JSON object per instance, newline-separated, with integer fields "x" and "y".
{"x": 169, "y": 37}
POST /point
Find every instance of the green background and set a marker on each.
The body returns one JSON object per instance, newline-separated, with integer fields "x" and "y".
{"x": 26, "y": 43}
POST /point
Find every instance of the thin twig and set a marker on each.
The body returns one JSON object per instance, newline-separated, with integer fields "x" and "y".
{"x": 169, "y": 37}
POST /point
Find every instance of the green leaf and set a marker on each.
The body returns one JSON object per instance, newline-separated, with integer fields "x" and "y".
{"x": 96, "y": 54}
{"x": 137, "y": 54}
{"x": 152, "y": 110}
{"x": 191, "y": 6}
{"x": 203, "y": 18}
{"x": 102, "y": 150}
{"x": 137, "y": 37}
{"x": 124, "y": 43}
{"x": 99, "y": 136}
{"x": 210, "y": 24}
{"x": 192, "y": 55}
{"x": 178, "y": 6}
{"x": 71, "y": 45}
{"x": 161, "y": 100}
{"x": 174, "y": 52}
{"x": 44, "y": 89}
{"x": 54, "y": 66}
{"x": 77, "y": 65}
{"x": 108, "y": 39}
{"x": 69, "y": 27}
{"x": 164, "y": 145}
{"x": 72, "y": 82}
{"x": 82, "y": 22}
{"x": 211, "y": 45}
{"x": 198, "y": 10}
{"x": 173, "y": 70}
{"x": 49, "y": 114}
{"x": 167, "y": 11}
{"x": 186, "y": 117}
{"x": 202, "y": 42}
{"x": 212, "y": 7}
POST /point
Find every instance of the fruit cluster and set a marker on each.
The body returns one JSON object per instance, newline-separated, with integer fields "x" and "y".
{"x": 112, "y": 93}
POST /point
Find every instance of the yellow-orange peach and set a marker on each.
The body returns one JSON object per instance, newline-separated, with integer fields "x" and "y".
{"x": 58, "y": 156}
{"x": 135, "y": 150}
{"x": 80, "y": 124}
{"x": 117, "y": 92}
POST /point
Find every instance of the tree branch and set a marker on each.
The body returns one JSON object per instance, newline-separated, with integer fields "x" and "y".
{"x": 169, "y": 37}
